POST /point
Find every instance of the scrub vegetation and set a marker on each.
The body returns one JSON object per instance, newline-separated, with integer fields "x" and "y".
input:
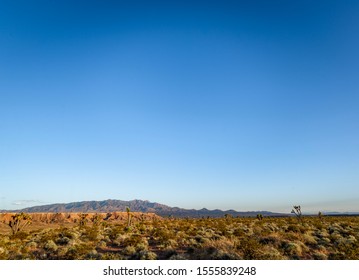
{"x": 133, "y": 236}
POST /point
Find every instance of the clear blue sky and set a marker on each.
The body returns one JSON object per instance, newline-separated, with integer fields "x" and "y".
{"x": 245, "y": 105}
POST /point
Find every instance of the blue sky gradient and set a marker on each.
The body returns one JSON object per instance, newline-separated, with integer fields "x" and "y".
{"x": 245, "y": 105}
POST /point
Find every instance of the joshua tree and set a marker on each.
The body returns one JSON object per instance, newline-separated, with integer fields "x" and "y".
{"x": 83, "y": 219}
{"x": 108, "y": 216}
{"x": 320, "y": 215}
{"x": 260, "y": 217}
{"x": 142, "y": 218}
{"x": 18, "y": 222}
{"x": 297, "y": 211}
{"x": 96, "y": 220}
{"x": 227, "y": 216}
{"x": 116, "y": 216}
{"x": 128, "y": 216}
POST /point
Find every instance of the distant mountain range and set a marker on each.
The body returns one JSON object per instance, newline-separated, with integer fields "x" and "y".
{"x": 145, "y": 206}
{"x": 341, "y": 213}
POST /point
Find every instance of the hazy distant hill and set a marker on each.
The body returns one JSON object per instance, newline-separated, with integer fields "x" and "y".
{"x": 139, "y": 206}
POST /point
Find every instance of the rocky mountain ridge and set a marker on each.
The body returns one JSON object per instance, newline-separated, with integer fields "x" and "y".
{"x": 144, "y": 206}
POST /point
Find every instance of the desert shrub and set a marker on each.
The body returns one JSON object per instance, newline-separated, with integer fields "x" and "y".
{"x": 309, "y": 240}
{"x": 69, "y": 233}
{"x": 212, "y": 253}
{"x": 270, "y": 253}
{"x": 78, "y": 251}
{"x": 163, "y": 234}
{"x": 142, "y": 246}
{"x": 129, "y": 250}
{"x": 111, "y": 256}
{"x": 168, "y": 253}
{"x": 347, "y": 251}
{"x": 324, "y": 241}
{"x": 46, "y": 235}
{"x": 200, "y": 239}
{"x": 238, "y": 232}
{"x": 63, "y": 241}
{"x": 321, "y": 233}
{"x": 291, "y": 249}
{"x": 318, "y": 224}
{"x": 293, "y": 228}
{"x": 170, "y": 243}
{"x": 31, "y": 245}
{"x": 336, "y": 238}
{"x": 141, "y": 228}
{"x": 93, "y": 255}
{"x": 217, "y": 237}
{"x": 101, "y": 244}
{"x": 336, "y": 256}
{"x": 260, "y": 230}
{"x": 351, "y": 239}
{"x": 250, "y": 248}
{"x": 50, "y": 246}
{"x": 91, "y": 234}
{"x": 269, "y": 240}
{"x": 3, "y": 253}
{"x": 20, "y": 235}
{"x": 114, "y": 232}
{"x": 319, "y": 256}
{"x": 178, "y": 257}
{"x": 291, "y": 236}
{"x": 144, "y": 255}
{"x": 134, "y": 240}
